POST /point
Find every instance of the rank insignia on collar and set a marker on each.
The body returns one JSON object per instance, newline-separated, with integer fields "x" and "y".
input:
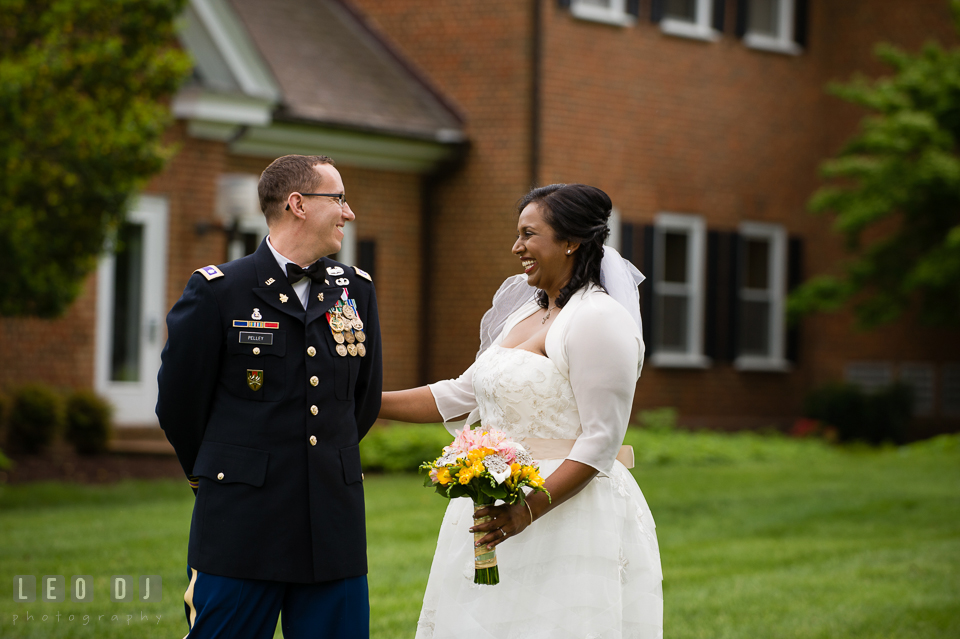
{"x": 254, "y": 379}
{"x": 320, "y": 296}
{"x": 362, "y": 273}
{"x": 283, "y": 298}
{"x": 342, "y": 281}
{"x": 210, "y": 272}
{"x": 256, "y": 314}
{"x": 334, "y": 270}
{"x": 270, "y": 281}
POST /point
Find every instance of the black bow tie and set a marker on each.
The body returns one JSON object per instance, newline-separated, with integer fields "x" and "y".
{"x": 314, "y": 272}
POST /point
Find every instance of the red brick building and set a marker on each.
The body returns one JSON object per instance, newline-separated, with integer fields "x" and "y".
{"x": 705, "y": 121}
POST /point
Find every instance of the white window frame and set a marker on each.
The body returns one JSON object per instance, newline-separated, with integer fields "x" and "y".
{"x": 783, "y": 42}
{"x": 776, "y": 235}
{"x": 695, "y": 228}
{"x": 918, "y": 375}
{"x": 699, "y": 29}
{"x": 615, "y": 14}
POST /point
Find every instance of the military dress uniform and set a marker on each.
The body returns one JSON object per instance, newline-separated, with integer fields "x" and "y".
{"x": 265, "y": 408}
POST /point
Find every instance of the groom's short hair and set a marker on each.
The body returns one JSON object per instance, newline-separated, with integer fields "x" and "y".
{"x": 285, "y": 175}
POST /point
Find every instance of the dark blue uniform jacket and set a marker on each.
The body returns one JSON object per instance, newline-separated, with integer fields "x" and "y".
{"x": 273, "y": 503}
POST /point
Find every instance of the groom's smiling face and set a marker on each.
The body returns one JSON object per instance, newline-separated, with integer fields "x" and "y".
{"x": 542, "y": 257}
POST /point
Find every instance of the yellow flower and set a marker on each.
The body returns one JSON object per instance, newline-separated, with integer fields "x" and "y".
{"x": 443, "y": 476}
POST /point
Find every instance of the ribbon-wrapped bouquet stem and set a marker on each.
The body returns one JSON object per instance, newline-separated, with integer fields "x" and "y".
{"x": 485, "y": 466}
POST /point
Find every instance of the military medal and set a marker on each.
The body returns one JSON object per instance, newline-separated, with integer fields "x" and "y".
{"x": 338, "y": 338}
{"x": 348, "y": 335}
{"x": 347, "y": 312}
{"x": 254, "y": 379}
{"x": 352, "y": 349}
{"x": 337, "y": 324}
{"x": 342, "y": 350}
{"x": 361, "y": 350}
{"x": 360, "y": 335}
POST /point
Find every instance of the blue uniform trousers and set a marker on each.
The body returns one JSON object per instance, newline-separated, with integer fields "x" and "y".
{"x": 229, "y": 608}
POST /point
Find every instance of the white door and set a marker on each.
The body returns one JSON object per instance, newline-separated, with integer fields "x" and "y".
{"x": 131, "y": 304}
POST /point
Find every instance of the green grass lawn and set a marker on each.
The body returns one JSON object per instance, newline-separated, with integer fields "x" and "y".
{"x": 779, "y": 542}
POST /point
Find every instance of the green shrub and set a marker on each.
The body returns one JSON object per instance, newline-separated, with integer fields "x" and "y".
{"x": 658, "y": 419}
{"x": 402, "y": 447}
{"x": 35, "y": 415}
{"x": 88, "y": 422}
{"x": 882, "y": 416}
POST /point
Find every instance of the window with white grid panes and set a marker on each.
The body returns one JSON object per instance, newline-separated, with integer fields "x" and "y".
{"x": 679, "y": 246}
{"x": 770, "y": 26}
{"x": 763, "y": 261}
{"x": 920, "y": 378}
{"x": 689, "y": 19}
{"x": 608, "y": 11}
{"x": 869, "y": 376}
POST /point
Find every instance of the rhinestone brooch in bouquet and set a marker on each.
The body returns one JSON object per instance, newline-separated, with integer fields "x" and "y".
{"x": 485, "y": 466}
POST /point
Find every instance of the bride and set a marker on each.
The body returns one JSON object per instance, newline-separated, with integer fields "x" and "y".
{"x": 560, "y": 356}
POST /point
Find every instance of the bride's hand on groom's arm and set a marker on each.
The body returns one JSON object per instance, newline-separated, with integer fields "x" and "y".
{"x": 509, "y": 521}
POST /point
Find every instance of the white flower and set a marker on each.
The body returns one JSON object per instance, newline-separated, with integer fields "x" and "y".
{"x": 497, "y": 467}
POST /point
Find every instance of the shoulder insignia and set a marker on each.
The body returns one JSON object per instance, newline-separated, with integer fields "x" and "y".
{"x": 210, "y": 272}
{"x": 362, "y": 273}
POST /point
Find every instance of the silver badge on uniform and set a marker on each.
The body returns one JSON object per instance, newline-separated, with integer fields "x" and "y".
{"x": 334, "y": 270}
{"x": 256, "y": 314}
{"x": 342, "y": 281}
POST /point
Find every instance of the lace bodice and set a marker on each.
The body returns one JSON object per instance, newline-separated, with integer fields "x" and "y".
{"x": 524, "y": 395}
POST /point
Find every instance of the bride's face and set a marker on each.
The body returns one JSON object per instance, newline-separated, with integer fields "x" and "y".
{"x": 544, "y": 259}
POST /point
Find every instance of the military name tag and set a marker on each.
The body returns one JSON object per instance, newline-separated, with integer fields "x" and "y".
{"x": 254, "y": 379}
{"x": 256, "y": 338}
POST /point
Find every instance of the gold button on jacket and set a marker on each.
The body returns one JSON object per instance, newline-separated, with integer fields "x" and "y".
{"x": 314, "y": 380}
{"x": 314, "y": 409}
{"x": 220, "y": 476}
{"x": 256, "y": 350}
{"x": 313, "y": 440}
{"x": 311, "y": 351}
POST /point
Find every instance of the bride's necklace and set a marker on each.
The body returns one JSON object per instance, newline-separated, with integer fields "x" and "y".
{"x": 547, "y": 316}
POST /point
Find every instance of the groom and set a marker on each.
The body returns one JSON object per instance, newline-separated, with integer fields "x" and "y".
{"x": 270, "y": 377}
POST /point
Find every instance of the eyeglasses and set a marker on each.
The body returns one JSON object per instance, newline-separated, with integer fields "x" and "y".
{"x": 340, "y": 197}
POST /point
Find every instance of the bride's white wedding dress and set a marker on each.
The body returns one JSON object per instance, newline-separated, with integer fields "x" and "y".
{"x": 589, "y": 569}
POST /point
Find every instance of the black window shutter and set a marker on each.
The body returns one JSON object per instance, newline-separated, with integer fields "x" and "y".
{"x": 710, "y": 341}
{"x": 794, "y": 279}
{"x": 626, "y": 241}
{"x": 633, "y": 8}
{"x": 718, "y": 14}
{"x": 735, "y": 249}
{"x": 563, "y": 4}
{"x": 743, "y": 17}
{"x": 367, "y": 256}
{"x": 647, "y": 309}
{"x": 656, "y": 11}
{"x": 801, "y": 22}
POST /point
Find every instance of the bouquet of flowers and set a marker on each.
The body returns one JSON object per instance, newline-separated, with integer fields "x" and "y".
{"x": 485, "y": 466}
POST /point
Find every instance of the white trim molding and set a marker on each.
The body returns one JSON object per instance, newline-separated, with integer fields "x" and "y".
{"x": 694, "y": 228}
{"x": 783, "y": 41}
{"x": 356, "y": 148}
{"x": 614, "y": 13}
{"x": 701, "y": 28}
{"x": 775, "y": 295}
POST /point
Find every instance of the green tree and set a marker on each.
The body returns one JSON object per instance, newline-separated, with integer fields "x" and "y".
{"x": 900, "y": 175}
{"x": 82, "y": 114}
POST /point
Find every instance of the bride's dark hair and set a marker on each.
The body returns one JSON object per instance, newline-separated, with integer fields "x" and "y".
{"x": 576, "y": 213}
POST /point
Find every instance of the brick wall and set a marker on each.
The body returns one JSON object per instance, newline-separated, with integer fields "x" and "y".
{"x": 662, "y": 124}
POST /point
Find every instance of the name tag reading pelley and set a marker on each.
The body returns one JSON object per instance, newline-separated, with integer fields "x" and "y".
{"x": 247, "y": 337}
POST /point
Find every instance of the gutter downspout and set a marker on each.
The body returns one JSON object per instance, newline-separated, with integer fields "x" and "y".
{"x": 536, "y": 62}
